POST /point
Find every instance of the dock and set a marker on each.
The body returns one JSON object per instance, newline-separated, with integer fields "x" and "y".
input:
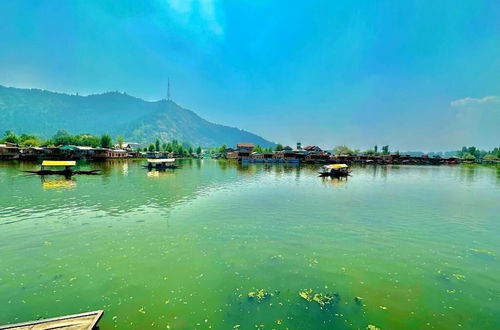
{"x": 83, "y": 321}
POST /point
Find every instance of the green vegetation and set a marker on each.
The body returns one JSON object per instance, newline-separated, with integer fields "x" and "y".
{"x": 119, "y": 141}
{"x": 106, "y": 141}
{"x": 474, "y": 153}
{"x": 342, "y": 150}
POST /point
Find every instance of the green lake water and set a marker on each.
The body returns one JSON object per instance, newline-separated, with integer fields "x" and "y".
{"x": 182, "y": 249}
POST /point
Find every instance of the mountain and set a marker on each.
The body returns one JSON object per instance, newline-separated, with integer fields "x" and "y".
{"x": 43, "y": 113}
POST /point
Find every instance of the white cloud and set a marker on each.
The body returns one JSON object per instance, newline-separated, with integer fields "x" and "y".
{"x": 470, "y": 100}
{"x": 206, "y": 10}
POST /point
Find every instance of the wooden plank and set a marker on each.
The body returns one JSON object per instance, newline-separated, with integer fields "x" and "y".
{"x": 83, "y": 321}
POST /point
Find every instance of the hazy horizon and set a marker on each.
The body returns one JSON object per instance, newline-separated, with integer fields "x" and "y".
{"x": 415, "y": 76}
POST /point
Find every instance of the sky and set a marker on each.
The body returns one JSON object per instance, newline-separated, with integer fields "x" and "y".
{"x": 416, "y": 75}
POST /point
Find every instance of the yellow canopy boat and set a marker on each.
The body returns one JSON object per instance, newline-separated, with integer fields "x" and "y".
{"x": 334, "y": 170}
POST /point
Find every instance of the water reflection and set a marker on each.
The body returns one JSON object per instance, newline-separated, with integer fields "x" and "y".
{"x": 66, "y": 183}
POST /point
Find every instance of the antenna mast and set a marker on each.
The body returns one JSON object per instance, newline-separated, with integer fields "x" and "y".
{"x": 168, "y": 90}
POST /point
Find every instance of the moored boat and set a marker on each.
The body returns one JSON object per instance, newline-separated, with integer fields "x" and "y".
{"x": 83, "y": 321}
{"x": 334, "y": 170}
{"x": 161, "y": 164}
{"x": 66, "y": 171}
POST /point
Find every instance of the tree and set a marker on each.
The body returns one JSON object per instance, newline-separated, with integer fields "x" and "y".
{"x": 468, "y": 155}
{"x": 119, "y": 141}
{"x": 190, "y": 150}
{"x": 342, "y": 150}
{"x": 106, "y": 141}
{"x": 157, "y": 145}
{"x": 61, "y": 132}
{"x": 151, "y": 147}
{"x": 278, "y": 147}
{"x": 222, "y": 149}
{"x": 385, "y": 150}
{"x": 198, "y": 150}
{"x": 10, "y": 137}
{"x": 375, "y": 149}
{"x": 258, "y": 149}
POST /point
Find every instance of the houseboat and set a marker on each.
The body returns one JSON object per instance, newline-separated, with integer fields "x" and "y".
{"x": 105, "y": 153}
{"x": 9, "y": 151}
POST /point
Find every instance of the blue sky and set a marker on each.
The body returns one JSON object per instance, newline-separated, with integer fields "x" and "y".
{"x": 417, "y": 75}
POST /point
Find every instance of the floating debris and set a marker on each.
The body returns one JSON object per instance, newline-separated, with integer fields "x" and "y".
{"x": 483, "y": 251}
{"x": 383, "y": 307}
{"x": 321, "y": 298}
{"x": 259, "y": 294}
{"x": 358, "y": 299}
{"x": 372, "y": 327}
{"x": 458, "y": 276}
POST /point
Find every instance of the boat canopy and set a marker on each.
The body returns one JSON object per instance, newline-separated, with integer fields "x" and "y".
{"x": 58, "y": 163}
{"x": 161, "y": 160}
{"x": 336, "y": 166}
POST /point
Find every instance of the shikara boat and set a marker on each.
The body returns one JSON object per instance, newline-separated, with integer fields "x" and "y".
{"x": 336, "y": 170}
{"x": 66, "y": 170}
{"x": 161, "y": 164}
{"x": 84, "y": 321}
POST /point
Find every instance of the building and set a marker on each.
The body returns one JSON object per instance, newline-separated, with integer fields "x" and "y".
{"x": 9, "y": 151}
{"x": 32, "y": 153}
{"x": 105, "y": 153}
{"x": 245, "y": 147}
{"x": 312, "y": 149}
{"x": 243, "y": 152}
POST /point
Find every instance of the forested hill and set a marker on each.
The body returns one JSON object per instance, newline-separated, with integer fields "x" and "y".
{"x": 43, "y": 113}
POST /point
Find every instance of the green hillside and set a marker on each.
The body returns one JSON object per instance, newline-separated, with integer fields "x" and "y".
{"x": 43, "y": 113}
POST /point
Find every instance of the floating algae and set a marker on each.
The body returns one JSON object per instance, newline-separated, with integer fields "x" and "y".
{"x": 321, "y": 299}
{"x": 372, "y": 327}
{"x": 259, "y": 295}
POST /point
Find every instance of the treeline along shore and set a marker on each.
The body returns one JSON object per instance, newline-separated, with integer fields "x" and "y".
{"x": 94, "y": 148}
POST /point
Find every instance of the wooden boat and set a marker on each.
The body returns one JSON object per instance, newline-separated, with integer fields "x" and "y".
{"x": 67, "y": 171}
{"x": 83, "y": 321}
{"x": 336, "y": 170}
{"x": 161, "y": 164}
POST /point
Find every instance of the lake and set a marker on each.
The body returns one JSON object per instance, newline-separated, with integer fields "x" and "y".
{"x": 418, "y": 246}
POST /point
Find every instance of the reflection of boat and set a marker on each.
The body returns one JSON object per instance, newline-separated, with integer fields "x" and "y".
{"x": 77, "y": 321}
{"x": 336, "y": 170}
{"x": 67, "y": 171}
{"x": 57, "y": 184}
{"x": 161, "y": 164}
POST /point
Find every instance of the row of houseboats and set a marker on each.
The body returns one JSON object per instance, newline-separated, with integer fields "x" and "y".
{"x": 245, "y": 153}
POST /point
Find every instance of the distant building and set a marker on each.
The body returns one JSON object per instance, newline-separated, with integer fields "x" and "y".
{"x": 9, "y": 151}
{"x": 245, "y": 147}
{"x": 104, "y": 153}
{"x": 243, "y": 151}
{"x": 313, "y": 149}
